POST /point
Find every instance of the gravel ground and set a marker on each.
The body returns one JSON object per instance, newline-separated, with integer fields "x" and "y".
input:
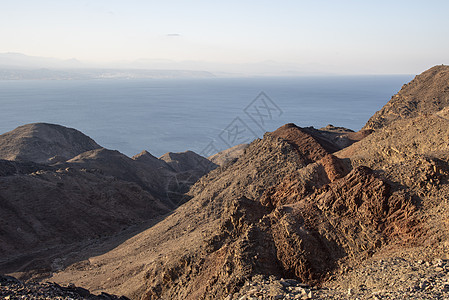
{"x": 394, "y": 278}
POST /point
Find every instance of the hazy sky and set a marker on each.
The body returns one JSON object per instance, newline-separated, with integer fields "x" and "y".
{"x": 347, "y": 36}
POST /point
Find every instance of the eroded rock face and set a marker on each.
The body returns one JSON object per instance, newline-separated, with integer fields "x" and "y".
{"x": 352, "y": 216}
{"x": 426, "y": 94}
{"x": 305, "y": 181}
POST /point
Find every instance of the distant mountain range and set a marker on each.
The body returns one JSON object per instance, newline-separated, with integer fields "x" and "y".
{"x": 12, "y": 60}
{"x": 68, "y": 74}
{"x": 17, "y": 66}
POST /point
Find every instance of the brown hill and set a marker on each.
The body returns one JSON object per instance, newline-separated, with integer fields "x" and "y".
{"x": 168, "y": 178}
{"x": 186, "y": 237}
{"x": 343, "y": 137}
{"x": 314, "y": 144}
{"x": 46, "y": 211}
{"x": 426, "y": 93}
{"x": 296, "y": 206}
{"x": 189, "y": 167}
{"x": 232, "y": 229}
{"x": 39, "y": 142}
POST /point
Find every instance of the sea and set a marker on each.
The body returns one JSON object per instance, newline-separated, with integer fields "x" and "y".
{"x": 205, "y": 115}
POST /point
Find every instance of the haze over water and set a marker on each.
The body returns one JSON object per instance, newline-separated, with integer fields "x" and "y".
{"x": 162, "y": 115}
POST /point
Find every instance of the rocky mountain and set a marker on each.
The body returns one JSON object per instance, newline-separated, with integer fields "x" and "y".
{"x": 427, "y": 93}
{"x": 53, "y": 207}
{"x": 44, "y": 143}
{"x": 256, "y": 216}
{"x": 301, "y": 213}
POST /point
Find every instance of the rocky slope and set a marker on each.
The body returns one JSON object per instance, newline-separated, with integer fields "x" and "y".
{"x": 426, "y": 93}
{"x": 302, "y": 213}
{"x": 377, "y": 278}
{"x": 274, "y": 211}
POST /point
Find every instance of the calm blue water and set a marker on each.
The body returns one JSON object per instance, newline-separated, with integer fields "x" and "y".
{"x": 162, "y": 115}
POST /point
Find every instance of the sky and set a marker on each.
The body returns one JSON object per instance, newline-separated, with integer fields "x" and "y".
{"x": 349, "y": 37}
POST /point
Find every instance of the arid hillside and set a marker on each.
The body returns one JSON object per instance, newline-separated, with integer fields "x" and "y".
{"x": 273, "y": 212}
{"x": 50, "y": 208}
{"x": 427, "y": 93}
{"x": 301, "y": 213}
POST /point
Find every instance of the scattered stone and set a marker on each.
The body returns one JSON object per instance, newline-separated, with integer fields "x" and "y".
{"x": 389, "y": 279}
{"x": 273, "y": 289}
{"x": 12, "y": 288}
{"x": 423, "y": 285}
{"x": 394, "y": 278}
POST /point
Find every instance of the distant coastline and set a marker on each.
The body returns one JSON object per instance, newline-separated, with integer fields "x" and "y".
{"x": 88, "y": 74}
